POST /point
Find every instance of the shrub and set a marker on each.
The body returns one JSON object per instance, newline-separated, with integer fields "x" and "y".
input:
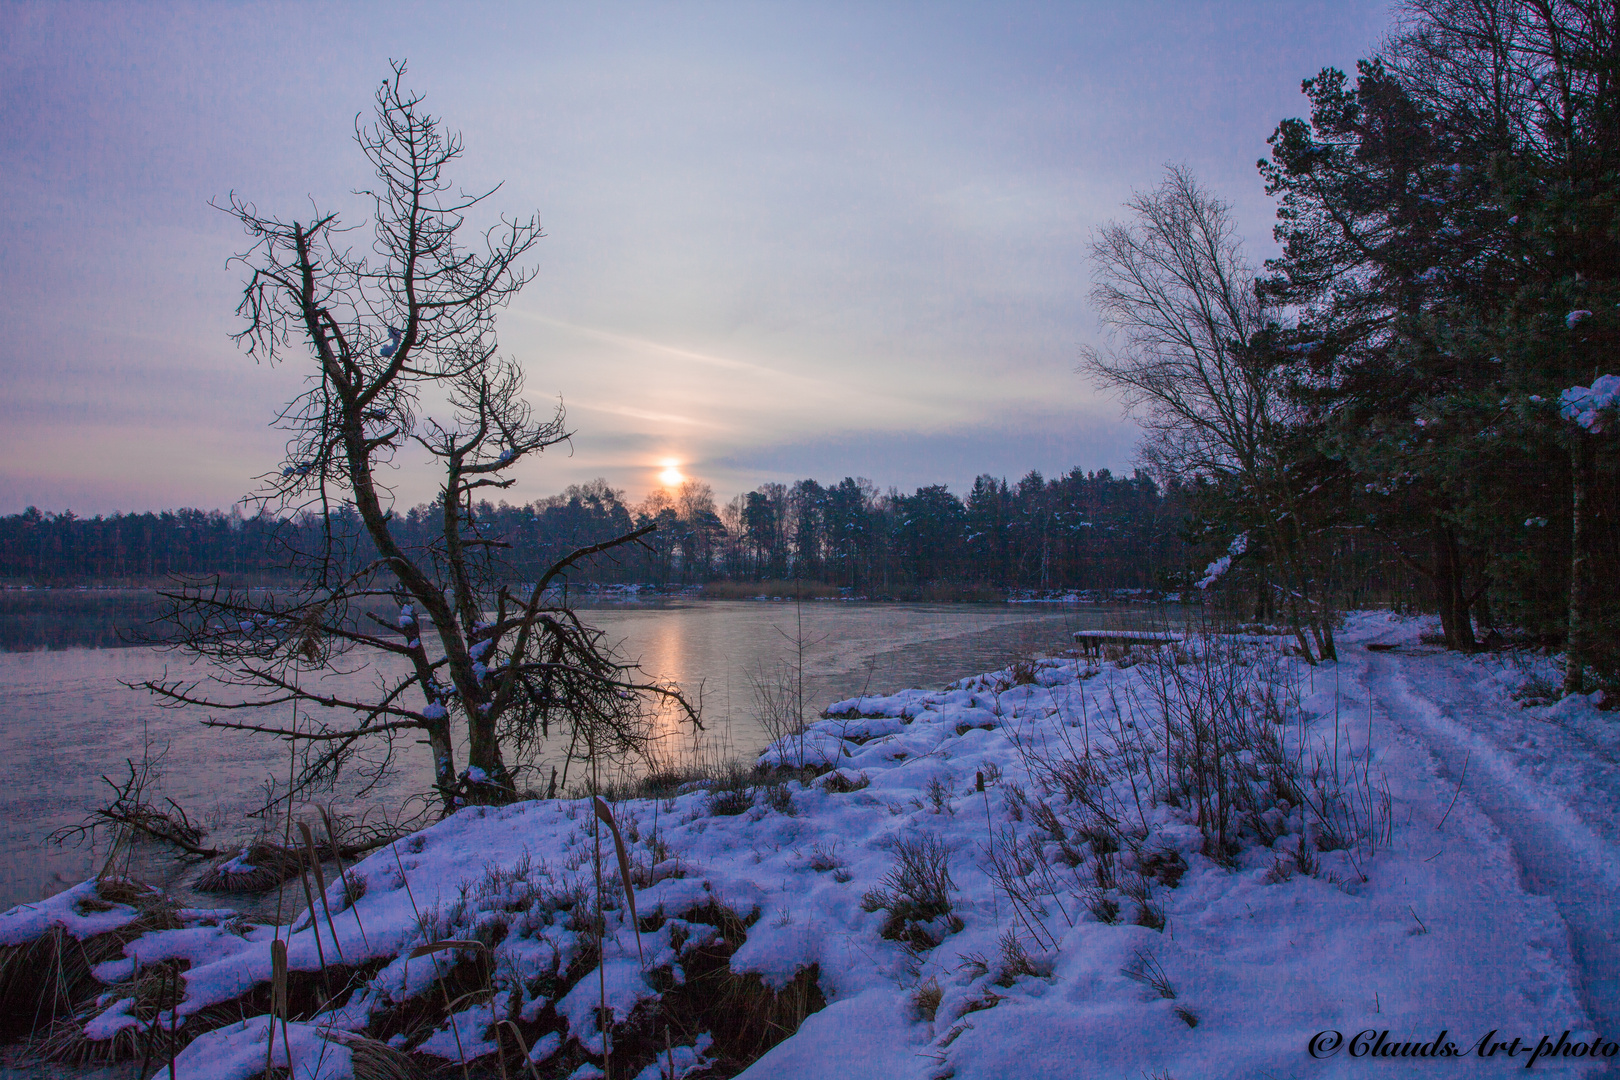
{"x": 916, "y": 894}
{"x": 779, "y": 798}
{"x": 732, "y": 791}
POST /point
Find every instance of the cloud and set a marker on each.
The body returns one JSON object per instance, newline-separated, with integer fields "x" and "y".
{"x": 788, "y": 240}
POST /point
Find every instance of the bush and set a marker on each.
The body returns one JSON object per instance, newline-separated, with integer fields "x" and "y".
{"x": 916, "y": 894}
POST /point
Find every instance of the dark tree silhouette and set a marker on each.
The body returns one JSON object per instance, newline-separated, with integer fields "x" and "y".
{"x": 403, "y": 362}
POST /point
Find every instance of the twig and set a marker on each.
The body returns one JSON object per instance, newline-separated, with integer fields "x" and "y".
{"x": 1454, "y": 794}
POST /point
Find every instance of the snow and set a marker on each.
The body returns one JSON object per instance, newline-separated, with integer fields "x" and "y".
{"x": 463, "y": 1036}
{"x": 71, "y": 909}
{"x": 195, "y": 944}
{"x": 545, "y": 1046}
{"x": 1488, "y": 906}
{"x": 1592, "y": 407}
{"x": 110, "y": 1021}
{"x": 686, "y": 1060}
{"x": 238, "y": 863}
{"x": 869, "y": 1020}
{"x": 237, "y": 1052}
{"x": 624, "y": 985}
{"x": 1217, "y": 569}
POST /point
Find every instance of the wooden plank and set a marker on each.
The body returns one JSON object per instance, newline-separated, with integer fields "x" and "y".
{"x": 1092, "y": 641}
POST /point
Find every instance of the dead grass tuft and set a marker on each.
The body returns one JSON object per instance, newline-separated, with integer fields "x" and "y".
{"x": 48, "y": 979}
{"x": 259, "y": 867}
{"x": 1146, "y": 969}
{"x": 842, "y": 782}
{"x": 915, "y": 894}
{"x": 926, "y": 998}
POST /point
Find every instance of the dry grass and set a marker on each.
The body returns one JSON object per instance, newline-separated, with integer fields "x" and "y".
{"x": 916, "y": 894}
{"x": 745, "y": 1015}
{"x": 260, "y": 867}
{"x": 926, "y": 998}
{"x": 153, "y": 992}
{"x": 824, "y": 857}
{"x": 375, "y": 1060}
{"x": 732, "y": 792}
{"x": 1023, "y": 672}
{"x": 48, "y": 979}
{"x": 1145, "y": 968}
{"x": 1015, "y": 961}
{"x": 842, "y": 783}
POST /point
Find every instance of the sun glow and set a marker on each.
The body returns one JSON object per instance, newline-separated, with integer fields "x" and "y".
{"x": 671, "y": 476}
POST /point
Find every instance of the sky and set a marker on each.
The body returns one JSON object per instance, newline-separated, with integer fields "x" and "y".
{"x": 782, "y": 240}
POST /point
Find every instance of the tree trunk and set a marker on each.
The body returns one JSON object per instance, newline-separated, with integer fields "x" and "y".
{"x": 1577, "y": 644}
{"x": 1296, "y": 620}
{"x": 1448, "y": 591}
{"x": 1302, "y": 611}
{"x": 444, "y": 764}
{"x": 484, "y": 753}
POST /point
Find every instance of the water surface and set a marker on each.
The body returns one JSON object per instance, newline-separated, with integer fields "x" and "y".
{"x": 67, "y": 718}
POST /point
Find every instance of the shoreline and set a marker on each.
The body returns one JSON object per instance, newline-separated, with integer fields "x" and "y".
{"x": 976, "y": 878}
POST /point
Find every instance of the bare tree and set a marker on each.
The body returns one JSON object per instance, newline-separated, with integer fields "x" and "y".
{"x": 401, "y": 346}
{"x": 1173, "y": 288}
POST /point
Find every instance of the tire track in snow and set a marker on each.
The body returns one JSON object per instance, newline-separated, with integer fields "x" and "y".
{"x": 1558, "y": 852}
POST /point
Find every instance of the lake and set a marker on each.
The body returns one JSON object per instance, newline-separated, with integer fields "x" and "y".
{"x": 67, "y": 718}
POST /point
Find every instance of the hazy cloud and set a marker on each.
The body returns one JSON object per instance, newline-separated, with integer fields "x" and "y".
{"x": 783, "y": 240}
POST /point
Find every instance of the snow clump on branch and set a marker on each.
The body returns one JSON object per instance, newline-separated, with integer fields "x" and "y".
{"x": 1586, "y": 405}
{"x": 1217, "y": 569}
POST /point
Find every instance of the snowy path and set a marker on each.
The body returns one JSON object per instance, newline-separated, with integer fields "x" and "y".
{"x": 1550, "y": 790}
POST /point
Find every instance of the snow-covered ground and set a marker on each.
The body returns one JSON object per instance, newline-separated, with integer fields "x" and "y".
{"x": 1008, "y": 878}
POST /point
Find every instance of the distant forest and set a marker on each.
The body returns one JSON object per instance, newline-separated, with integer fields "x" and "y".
{"x": 1078, "y": 531}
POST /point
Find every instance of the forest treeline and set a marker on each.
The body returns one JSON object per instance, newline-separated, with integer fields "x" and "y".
{"x": 1077, "y": 531}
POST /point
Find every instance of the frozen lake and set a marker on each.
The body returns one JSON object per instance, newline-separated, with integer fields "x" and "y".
{"x": 66, "y": 717}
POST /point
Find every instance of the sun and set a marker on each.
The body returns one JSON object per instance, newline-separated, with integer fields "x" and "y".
{"x": 671, "y": 476}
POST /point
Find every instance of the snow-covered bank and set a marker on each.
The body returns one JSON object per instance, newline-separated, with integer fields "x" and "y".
{"x": 1026, "y": 874}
